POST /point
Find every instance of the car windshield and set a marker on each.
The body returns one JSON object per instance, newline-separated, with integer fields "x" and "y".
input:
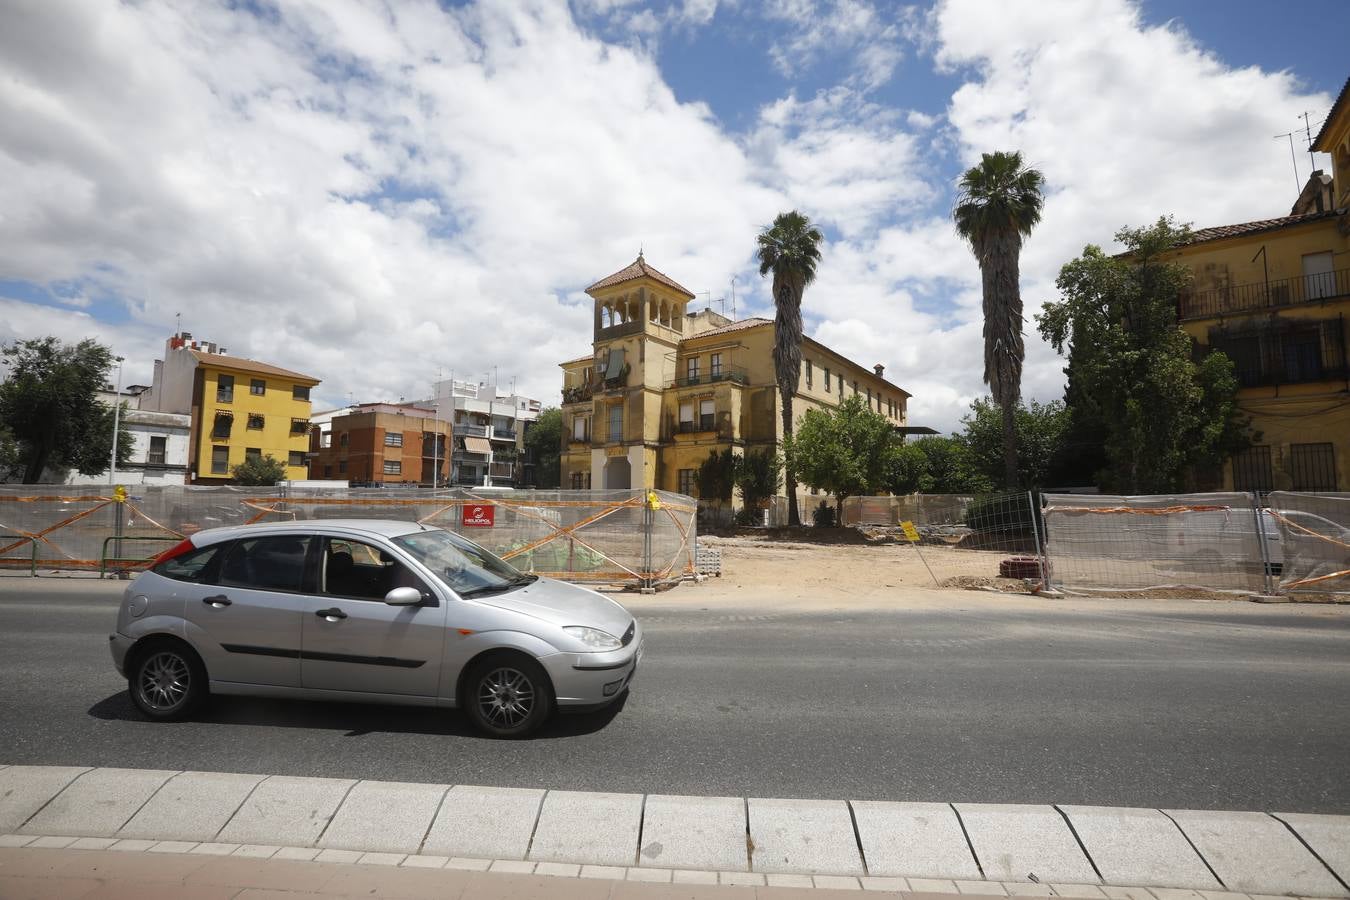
{"x": 467, "y": 568}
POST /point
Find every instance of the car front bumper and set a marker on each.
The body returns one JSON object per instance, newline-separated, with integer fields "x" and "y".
{"x": 119, "y": 644}
{"x": 584, "y": 681}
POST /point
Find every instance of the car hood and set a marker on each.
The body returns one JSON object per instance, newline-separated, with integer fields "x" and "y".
{"x": 563, "y": 604}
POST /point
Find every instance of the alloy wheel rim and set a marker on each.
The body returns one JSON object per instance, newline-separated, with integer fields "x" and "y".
{"x": 506, "y": 697}
{"x": 164, "y": 680}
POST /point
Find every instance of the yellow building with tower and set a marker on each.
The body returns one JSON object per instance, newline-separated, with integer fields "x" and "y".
{"x": 240, "y": 408}
{"x": 663, "y": 386}
{"x": 1274, "y": 295}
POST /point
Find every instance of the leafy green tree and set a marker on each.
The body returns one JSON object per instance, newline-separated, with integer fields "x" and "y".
{"x": 844, "y": 451}
{"x": 790, "y": 249}
{"x": 49, "y": 405}
{"x": 950, "y": 469}
{"x": 544, "y": 437}
{"x": 1132, "y": 378}
{"x": 715, "y": 477}
{"x": 259, "y": 471}
{"x": 999, "y": 203}
{"x": 11, "y": 457}
{"x": 757, "y": 474}
{"x": 907, "y": 470}
{"x": 1041, "y": 430}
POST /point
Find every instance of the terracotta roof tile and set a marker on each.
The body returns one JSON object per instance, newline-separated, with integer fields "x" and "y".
{"x": 742, "y": 325}
{"x": 248, "y": 365}
{"x": 1219, "y": 232}
{"x": 637, "y": 270}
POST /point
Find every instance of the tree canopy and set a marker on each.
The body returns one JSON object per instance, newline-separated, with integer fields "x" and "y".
{"x": 544, "y": 437}
{"x": 757, "y": 475}
{"x": 844, "y": 451}
{"x": 50, "y": 409}
{"x": 259, "y": 471}
{"x": 715, "y": 477}
{"x": 1132, "y": 380}
{"x": 1041, "y": 431}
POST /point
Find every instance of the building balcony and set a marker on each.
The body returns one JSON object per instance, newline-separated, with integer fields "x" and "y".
{"x": 734, "y": 375}
{"x": 470, "y": 430}
{"x": 1276, "y": 351}
{"x": 499, "y": 434}
{"x": 580, "y": 394}
{"x": 1264, "y": 295}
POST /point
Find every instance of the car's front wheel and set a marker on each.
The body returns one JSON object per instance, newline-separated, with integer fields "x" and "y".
{"x": 167, "y": 681}
{"x": 508, "y": 695}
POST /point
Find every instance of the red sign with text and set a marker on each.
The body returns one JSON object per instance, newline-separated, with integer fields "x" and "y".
{"x": 478, "y": 516}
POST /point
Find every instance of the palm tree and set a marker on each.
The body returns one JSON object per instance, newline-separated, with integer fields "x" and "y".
{"x": 999, "y": 203}
{"x": 790, "y": 248}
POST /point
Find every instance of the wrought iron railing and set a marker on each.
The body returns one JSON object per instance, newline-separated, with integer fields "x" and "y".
{"x": 1285, "y": 350}
{"x": 726, "y": 374}
{"x": 1260, "y": 295}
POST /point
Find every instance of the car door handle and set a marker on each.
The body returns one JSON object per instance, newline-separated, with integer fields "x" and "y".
{"x": 219, "y": 601}
{"x": 331, "y": 615}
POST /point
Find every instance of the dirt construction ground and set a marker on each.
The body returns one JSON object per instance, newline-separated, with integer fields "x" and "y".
{"x": 848, "y": 571}
{"x": 846, "y": 574}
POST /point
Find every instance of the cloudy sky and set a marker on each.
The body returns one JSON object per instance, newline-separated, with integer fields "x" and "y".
{"x": 368, "y": 191}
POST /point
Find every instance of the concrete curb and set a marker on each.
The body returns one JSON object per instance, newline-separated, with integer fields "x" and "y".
{"x": 1077, "y": 851}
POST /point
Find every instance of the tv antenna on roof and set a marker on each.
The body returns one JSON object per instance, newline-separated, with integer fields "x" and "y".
{"x": 1298, "y": 185}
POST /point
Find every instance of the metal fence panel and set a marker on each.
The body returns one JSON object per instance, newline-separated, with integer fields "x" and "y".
{"x": 1205, "y": 541}
{"x": 1313, "y": 549}
{"x": 587, "y": 536}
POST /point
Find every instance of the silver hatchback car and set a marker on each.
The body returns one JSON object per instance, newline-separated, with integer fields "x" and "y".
{"x": 364, "y": 610}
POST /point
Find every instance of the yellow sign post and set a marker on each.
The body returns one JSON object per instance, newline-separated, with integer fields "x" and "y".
{"x": 912, "y": 535}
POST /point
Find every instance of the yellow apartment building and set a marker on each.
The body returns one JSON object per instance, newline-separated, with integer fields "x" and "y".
{"x": 240, "y": 408}
{"x": 1274, "y": 295}
{"x": 663, "y": 386}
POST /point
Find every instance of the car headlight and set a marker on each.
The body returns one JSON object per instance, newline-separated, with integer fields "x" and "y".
{"x": 594, "y": 638}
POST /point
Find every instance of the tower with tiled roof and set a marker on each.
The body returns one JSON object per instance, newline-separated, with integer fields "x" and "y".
{"x": 665, "y": 385}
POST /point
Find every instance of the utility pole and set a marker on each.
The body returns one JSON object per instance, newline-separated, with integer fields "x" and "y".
{"x": 436, "y": 432}
{"x": 117, "y": 422}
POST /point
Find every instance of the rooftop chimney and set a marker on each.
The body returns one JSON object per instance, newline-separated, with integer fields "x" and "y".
{"x": 879, "y": 369}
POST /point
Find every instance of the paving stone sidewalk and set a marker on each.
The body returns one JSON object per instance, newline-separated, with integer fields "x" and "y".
{"x": 1074, "y": 851}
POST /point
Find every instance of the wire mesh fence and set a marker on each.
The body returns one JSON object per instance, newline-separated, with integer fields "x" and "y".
{"x": 632, "y": 537}
{"x": 966, "y": 539}
{"x": 1209, "y": 542}
{"x": 1311, "y": 550}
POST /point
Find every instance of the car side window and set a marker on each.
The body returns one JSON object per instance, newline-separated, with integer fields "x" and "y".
{"x": 274, "y": 563}
{"x": 190, "y": 567}
{"x": 360, "y": 571}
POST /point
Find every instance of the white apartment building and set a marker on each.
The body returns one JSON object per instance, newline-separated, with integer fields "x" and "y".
{"x": 159, "y": 444}
{"x": 489, "y": 432}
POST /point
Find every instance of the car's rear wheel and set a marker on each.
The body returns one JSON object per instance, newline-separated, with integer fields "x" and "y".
{"x": 167, "y": 681}
{"x": 508, "y": 695}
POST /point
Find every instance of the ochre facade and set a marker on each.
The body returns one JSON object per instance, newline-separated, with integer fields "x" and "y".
{"x": 1275, "y": 297}
{"x": 663, "y": 387}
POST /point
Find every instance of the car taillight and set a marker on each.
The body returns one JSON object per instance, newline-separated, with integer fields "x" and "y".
{"x": 176, "y": 550}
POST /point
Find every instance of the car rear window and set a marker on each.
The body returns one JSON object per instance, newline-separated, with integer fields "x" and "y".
{"x": 190, "y": 566}
{"x": 266, "y": 563}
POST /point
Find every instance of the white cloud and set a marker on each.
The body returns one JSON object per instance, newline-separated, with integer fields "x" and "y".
{"x": 367, "y": 192}
{"x": 229, "y": 168}
{"x": 870, "y": 36}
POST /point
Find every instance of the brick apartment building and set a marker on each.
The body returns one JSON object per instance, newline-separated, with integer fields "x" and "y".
{"x": 382, "y": 443}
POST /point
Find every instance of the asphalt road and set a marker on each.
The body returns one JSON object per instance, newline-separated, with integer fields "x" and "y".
{"x": 1166, "y": 704}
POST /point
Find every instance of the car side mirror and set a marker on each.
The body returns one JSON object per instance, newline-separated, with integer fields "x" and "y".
{"x": 403, "y": 596}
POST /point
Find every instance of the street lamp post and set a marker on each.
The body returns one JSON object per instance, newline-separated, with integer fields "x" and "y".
{"x": 117, "y": 422}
